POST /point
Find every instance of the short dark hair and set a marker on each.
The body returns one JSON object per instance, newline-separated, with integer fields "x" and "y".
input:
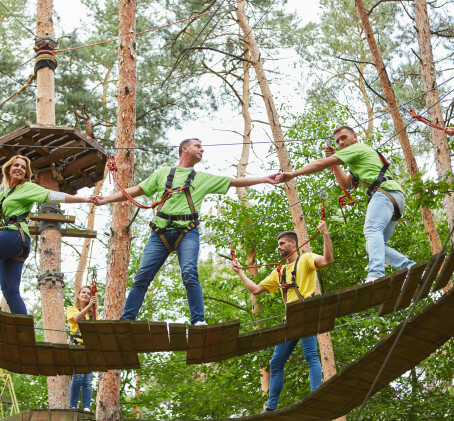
{"x": 291, "y": 235}
{"x": 338, "y": 129}
{"x": 185, "y": 142}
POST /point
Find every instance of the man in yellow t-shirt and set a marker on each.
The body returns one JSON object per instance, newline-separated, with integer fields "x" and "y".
{"x": 296, "y": 285}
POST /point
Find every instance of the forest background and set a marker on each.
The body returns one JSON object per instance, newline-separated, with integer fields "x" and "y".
{"x": 322, "y": 75}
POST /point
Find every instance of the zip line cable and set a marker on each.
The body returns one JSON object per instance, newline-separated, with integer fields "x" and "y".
{"x": 18, "y": 20}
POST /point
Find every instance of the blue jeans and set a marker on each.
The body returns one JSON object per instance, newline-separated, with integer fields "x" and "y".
{"x": 154, "y": 255}
{"x": 378, "y": 228}
{"x": 281, "y": 354}
{"x": 81, "y": 381}
{"x": 11, "y": 270}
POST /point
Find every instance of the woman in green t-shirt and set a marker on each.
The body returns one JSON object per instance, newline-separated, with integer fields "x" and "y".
{"x": 16, "y": 201}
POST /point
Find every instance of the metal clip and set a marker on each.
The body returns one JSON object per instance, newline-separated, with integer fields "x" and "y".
{"x": 323, "y": 192}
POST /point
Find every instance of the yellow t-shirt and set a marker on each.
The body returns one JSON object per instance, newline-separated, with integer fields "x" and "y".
{"x": 305, "y": 278}
{"x": 75, "y": 335}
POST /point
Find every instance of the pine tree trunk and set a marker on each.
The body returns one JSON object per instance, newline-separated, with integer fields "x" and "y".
{"x": 326, "y": 348}
{"x": 108, "y": 399}
{"x": 50, "y": 288}
{"x": 429, "y": 83}
{"x": 431, "y": 230}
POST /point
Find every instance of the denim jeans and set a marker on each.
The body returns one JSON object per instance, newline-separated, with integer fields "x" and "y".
{"x": 154, "y": 255}
{"x": 81, "y": 381}
{"x": 11, "y": 270}
{"x": 378, "y": 228}
{"x": 281, "y": 354}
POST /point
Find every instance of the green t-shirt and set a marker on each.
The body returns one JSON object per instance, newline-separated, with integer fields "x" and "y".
{"x": 22, "y": 200}
{"x": 365, "y": 164}
{"x": 201, "y": 185}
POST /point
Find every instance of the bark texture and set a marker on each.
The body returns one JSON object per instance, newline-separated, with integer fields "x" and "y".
{"x": 431, "y": 230}
{"x": 50, "y": 250}
{"x": 326, "y": 349}
{"x": 108, "y": 398}
{"x": 429, "y": 83}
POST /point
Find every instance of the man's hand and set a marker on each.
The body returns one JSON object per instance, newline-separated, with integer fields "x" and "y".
{"x": 329, "y": 150}
{"x": 273, "y": 179}
{"x": 322, "y": 227}
{"x": 236, "y": 266}
{"x": 285, "y": 177}
{"x": 97, "y": 200}
{"x": 449, "y": 131}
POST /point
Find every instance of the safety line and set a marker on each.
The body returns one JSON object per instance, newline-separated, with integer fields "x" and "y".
{"x": 429, "y": 278}
{"x": 152, "y": 29}
{"x": 18, "y": 20}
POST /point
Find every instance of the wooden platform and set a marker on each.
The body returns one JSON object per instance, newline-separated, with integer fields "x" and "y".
{"x": 116, "y": 344}
{"x": 76, "y": 165}
{"x": 424, "y": 334}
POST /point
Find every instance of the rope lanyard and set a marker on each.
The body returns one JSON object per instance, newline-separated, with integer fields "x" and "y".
{"x": 94, "y": 290}
{"x": 420, "y": 118}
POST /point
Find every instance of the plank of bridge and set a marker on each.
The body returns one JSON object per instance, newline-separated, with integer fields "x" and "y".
{"x": 395, "y": 286}
{"x": 245, "y": 342}
{"x": 346, "y": 301}
{"x": 294, "y": 313}
{"x": 410, "y": 286}
{"x": 96, "y": 360}
{"x": 196, "y": 342}
{"x": 446, "y": 272}
{"x": 278, "y": 334}
{"x": 308, "y": 322}
{"x": 328, "y": 311}
{"x": 177, "y": 333}
{"x": 159, "y": 336}
{"x": 63, "y": 359}
{"x": 129, "y": 360}
{"x": 90, "y": 335}
{"x": 380, "y": 290}
{"x": 46, "y": 360}
{"x": 106, "y": 332}
{"x": 363, "y": 297}
{"x": 431, "y": 271}
{"x": 218, "y": 351}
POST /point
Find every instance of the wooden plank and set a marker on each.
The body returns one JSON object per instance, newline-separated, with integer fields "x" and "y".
{"x": 363, "y": 297}
{"x": 431, "y": 271}
{"x": 328, "y": 311}
{"x": 446, "y": 272}
{"x": 294, "y": 312}
{"x": 346, "y": 301}
{"x": 52, "y": 217}
{"x": 380, "y": 290}
{"x": 196, "y": 342}
{"x": 395, "y": 286}
{"x": 308, "y": 323}
{"x": 410, "y": 286}
{"x": 159, "y": 336}
{"x": 67, "y": 232}
{"x": 177, "y": 334}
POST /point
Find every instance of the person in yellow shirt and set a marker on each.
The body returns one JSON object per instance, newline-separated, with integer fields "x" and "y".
{"x": 298, "y": 282}
{"x": 84, "y": 307}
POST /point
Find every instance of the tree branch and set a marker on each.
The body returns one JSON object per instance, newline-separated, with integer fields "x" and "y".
{"x": 205, "y": 297}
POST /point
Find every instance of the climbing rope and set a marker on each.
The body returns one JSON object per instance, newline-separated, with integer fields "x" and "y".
{"x": 94, "y": 290}
{"x": 420, "y": 118}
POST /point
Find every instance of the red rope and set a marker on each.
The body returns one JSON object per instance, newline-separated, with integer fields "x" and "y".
{"x": 420, "y": 118}
{"x": 342, "y": 200}
{"x": 94, "y": 290}
{"x": 113, "y": 171}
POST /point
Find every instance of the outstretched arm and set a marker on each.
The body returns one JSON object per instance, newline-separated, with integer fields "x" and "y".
{"x": 117, "y": 197}
{"x": 248, "y": 283}
{"x": 252, "y": 181}
{"x": 327, "y": 258}
{"x": 311, "y": 168}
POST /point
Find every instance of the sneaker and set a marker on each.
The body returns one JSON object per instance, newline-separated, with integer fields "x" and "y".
{"x": 370, "y": 279}
{"x": 266, "y": 410}
{"x": 201, "y": 323}
{"x": 86, "y": 409}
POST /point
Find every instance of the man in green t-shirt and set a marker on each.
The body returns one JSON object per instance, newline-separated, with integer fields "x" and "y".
{"x": 365, "y": 165}
{"x": 175, "y": 224}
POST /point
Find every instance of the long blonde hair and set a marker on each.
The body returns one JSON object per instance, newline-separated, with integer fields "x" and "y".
{"x": 7, "y": 165}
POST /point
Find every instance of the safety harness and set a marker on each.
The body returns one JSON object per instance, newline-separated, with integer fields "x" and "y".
{"x": 193, "y": 216}
{"x": 375, "y": 186}
{"x": 285, "y": 286}
{"x": 15, "y": 220}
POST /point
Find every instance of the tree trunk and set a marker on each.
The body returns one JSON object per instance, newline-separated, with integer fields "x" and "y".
{"x": 108, "y": 399}
{"x": 431, "y": 230}
{"x": 429, "y": 83}
{"x": 326, "y": 349}
{"x": 50, "y": 283}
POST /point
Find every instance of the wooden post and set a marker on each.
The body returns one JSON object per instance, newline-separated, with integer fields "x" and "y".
{"x": 326, "y": 347}
{"x": 429, "y": 83}
{"x": 431, "y": 229}
{"x": 108, "y": 399}
{"x": 50, "y": 281}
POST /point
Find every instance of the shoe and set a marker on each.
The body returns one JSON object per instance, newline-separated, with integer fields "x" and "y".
{"x": 86, "y": 409}
{"x": 266, "y": 410}
{"x": 201, "y": 323}
{"x": 370, "y": 279}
